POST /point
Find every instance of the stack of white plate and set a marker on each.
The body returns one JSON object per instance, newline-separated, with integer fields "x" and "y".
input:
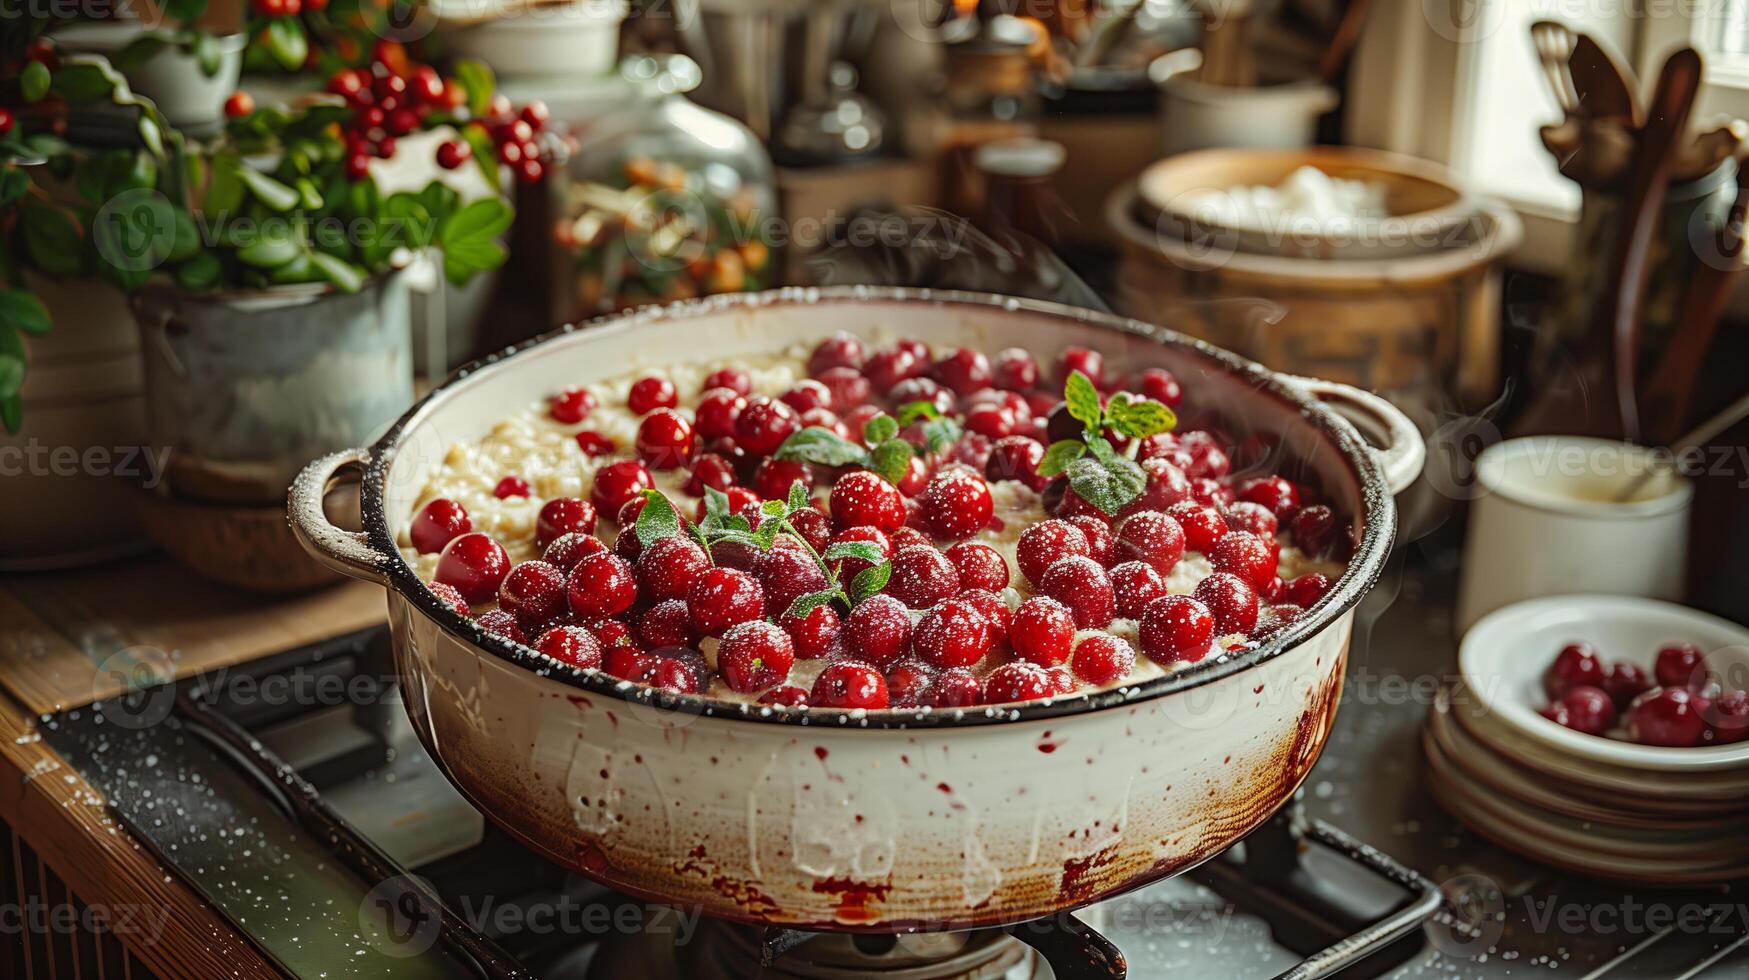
{"x": 1594, "y": 805}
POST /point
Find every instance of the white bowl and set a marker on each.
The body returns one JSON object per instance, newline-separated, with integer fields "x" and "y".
{"x": 1503, "y": 656}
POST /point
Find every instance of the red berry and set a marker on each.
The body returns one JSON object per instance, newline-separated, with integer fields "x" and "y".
{"x": 534, "y": 592}
{"x": 475, "y": 565}
{"x": 922, "y": 577}
{"x": 954, "y": 689}
{"x": 664, "y": 439}
{"x": 510, "y": 153}
{"x": 1728, "y": 717}
{"x": 1137, "y": 584}
{"x": 953, "y": 634}
{"x": 535, "y": 115}
{"x": 1151, "y": 537}
{"x": 1624, "y": 682}
{"x": 1305, "y": 590}
{"x": 787, "y": 574}
{"x": 979, "y": 565}
{"x": 531, "y": 169}
{"x": 734, "y": 379}
{"x": 863, "y": 498}
{"x": 1176, "y": 629}
{"x": 1160, "y": 385}
{"x": 648, "y": 394}
{"x": 571, "y": 645}
{"x": 849, "y": 567}
{"x": 630, "y": 663}
{"x": 1103, "y": 659}
{"x": 402, "y": 121}
{"x": 238, "y": 103}
{"x": 908, "y": 684}
{"x": 670, "y": 566}
{"x": 1253, "y": 519}
{"x": 808, "y": 394}
{"x": 510, "y": 486}
{"x": 957, "y": 504}
{"x": 618, "y": 483}
{"x": 571, "y": 406}
{"x": 601, "y": 585}
{"x": 709, "y": 470}
{"x": 774, "y": 477}
{"x": 1313, "y": 530}
{"x": 1101, "y": 543}
{"x": 1042, "y": 631}
{"x": 1083, "y": 585}
{"x": 889, "y": 367}
{"x": 878, "y": 630}
{"x": 1019, "y": 681}
{"x": 848, "y": 387}
{"x": 594, "y": 443}
{"x": 451, "y": 598}
{"x": 789, "y": 697}
{"x": 1201, "y": 456}
{"x": 1281, "y": 497}
{"x": 357, "y": 166}
{"x": 963, "y": 371}
{"x": 995, "y": 611}
{"x": 1088, "y": 362}
{"x": 1167, "y": 485}
{"x": 1017, "y": 458}
{"x": 813, "y": 634}
{"x": 841, "y": 350}
{"x": 718, "y": 408}
{"x": 681, "y": 675}
{"x": 348, "y": 82}
{"x": 426, "y": 84}
{"x": 846, "y": 684}
{"x": 1575, "y": 666}
{"x": 611, "y": 633}
{"x": 722, "y": 597}
{"x": 1245, "y": 555}
{"x": 992, "y": 421}
{"x": 1680, "y": 665}
{"x": 1015, "y": 370}
{"x": 1231, "y": 601}
{"x": 569, "y": 549}
{"x": 436, "y": 524}
{"x": 666, "y": 624}
{"x": 501, "y": 623}
{"x": 1046, "y": 543}
{"x": 561, "y": 516}
{"x": 1202, "y": 525}
{"x": 764, "y": 424}
{"x": 1669, "y": 716}
{"x": 1588, "y": 710}
{"x": 753, "y": 656}
{"x": 813, "y": 526}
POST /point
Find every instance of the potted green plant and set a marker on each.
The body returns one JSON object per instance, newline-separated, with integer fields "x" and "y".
{"x": 170, "y": 55}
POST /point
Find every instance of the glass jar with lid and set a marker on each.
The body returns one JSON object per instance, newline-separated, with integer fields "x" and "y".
{"x": 667, "y": 199}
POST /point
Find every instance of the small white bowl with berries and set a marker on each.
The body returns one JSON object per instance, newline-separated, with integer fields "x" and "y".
{"x": 1619, "y": 680}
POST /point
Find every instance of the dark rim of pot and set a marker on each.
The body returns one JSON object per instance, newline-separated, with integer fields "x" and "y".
{"x": 1362, "y": 572}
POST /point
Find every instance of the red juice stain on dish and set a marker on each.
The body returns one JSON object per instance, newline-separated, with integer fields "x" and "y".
{"x": 856, "y": 899}
{"x": 1045, "y": 744}
{"x": 1076, "y": 888}
{"x": 579, "y": 702}
{"x": 593, "y": 859}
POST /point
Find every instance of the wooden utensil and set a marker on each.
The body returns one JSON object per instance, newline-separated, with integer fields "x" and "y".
{"x": 1554, "y": 43}
{"x": 1690, "y": 441}
{"x": 1599, "y": 398}
{"x": 1342, "y": 41}
{"x": 1605, "y": 85}
{"x": 1670, "y": 392}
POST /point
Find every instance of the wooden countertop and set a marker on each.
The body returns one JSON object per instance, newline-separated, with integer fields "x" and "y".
{"x": 72, "y": 637}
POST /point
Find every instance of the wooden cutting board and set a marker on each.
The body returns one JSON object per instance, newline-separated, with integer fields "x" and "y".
{"x": 70, "y": 638}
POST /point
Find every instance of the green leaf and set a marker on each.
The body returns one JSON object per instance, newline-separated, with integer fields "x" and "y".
{"x": 226, "y": 191}
{"x": 1138, "y": 418}
{"x": 807, "y": 603}
{"x": 34, "y": 81}
{"x": 892, "y": 460}
{"x": 1060, "y": 454}
{"x": 922, "y": 409}
{"x": 879, "y": 429}
{"x": 1083, "y": 400}
{"x": 287, "y": 43}
{"x": 940, "y": 433}
{"x": 11, "y": 363}
{"x": 657, "y": 520}
{"x": 485, "y": 152}
{"x": 12, "y": 413}
{"x": 815, "y": 444}
{"x": 207, "y": 54}
{"x": 1106, "y": 479}
{"x": 82, "y": 82}
{"x": 798, "y": 496}
{"x": 478, "y": 82}
{"x": 463, "y": 261}
{"x": 52, "y": 238}
{"x": 13, "y": 183}
{"x": 274, "y": 246}
{"x": 139, "y": 51}
{"x": 716, "y": 503}
{"x": 866, "y": 550}
{"x": 870, "y": 581}
{"x": 344, "y": 275}
{"x": 185, "y": 11}
{"x": 23, "y": 311}
{"x": 151, "y": 135}
{"x": 486, "y": 218}
{"x": 200, "y": 272}
{"x": 407, "y": 222}
{"x": 268, "y": 191}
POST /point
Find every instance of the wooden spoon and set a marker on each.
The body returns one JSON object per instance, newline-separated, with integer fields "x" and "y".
{"x": 1605, "y": 85}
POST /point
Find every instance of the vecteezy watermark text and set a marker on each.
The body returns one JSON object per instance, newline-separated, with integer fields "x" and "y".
{"x": 35, "y": 458}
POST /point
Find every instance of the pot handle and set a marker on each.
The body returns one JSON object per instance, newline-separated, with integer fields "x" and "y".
{"x": 346, "y": 552}
{"x": 1400, "y": 449}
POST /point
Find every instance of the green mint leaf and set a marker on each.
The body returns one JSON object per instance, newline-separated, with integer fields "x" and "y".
{"x": 1083, "y": 401}
{"x": 938, "y": 434}
{"x": 1139, "y": 418}
{"x": 1105, "y": 478}
{"x": 1060, "y": 454}
{"x": 23, "y": 311}
{"x": 805, "y": 604}
{"x": 765, "y": 535}
{"x": 33, "y": 81}
{"x": 912, "y": 411}
{"x": 870, "y": 581}
{"x": 657, "y": 520}
{"x": 773, "y": 510}
{"x": 866, "y": 550}
{"x": 716, "y": 503}
{"x": 798, "y": 496}
{"x": 287, "y": 42}
{"x": 879, "y": 429}
{"x": 821, "y": 446}
{"x": 891, "y": 460}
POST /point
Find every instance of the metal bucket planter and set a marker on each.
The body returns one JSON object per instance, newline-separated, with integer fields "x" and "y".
{"x": 247, "y": 387}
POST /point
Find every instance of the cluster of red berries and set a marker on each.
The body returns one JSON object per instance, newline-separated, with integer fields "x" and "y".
{"x": 940, "y": 632}
{"x": 1680, "y": 705}
{"x": 515, "y": 134}
{"x": 386, "y": 105}
{"x": 286, "y": 8}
